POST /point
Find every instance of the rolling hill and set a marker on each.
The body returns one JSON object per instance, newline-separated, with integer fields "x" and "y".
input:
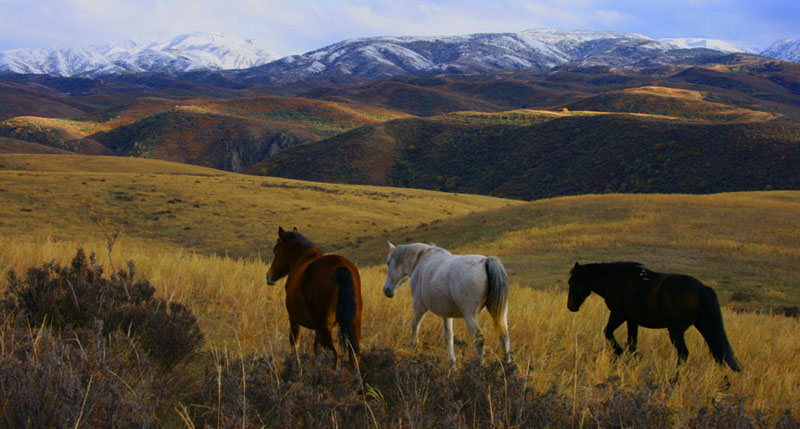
{"x": 531, "y": 154}
{"x": 228, "y": 134}
{"x": 739, "y": 242}
{"x": 202, "y": 209}
{"x": 201, "y": 237}
{"x": 668, "y": 122}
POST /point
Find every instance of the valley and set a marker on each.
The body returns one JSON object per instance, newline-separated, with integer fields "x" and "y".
{"x": 543, "y": 148}
{"x": 203, "y": 238}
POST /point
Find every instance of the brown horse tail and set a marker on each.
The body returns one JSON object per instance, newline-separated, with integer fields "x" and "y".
{"x": 711, "y": 327}
{"x": 346, "y": 309}
{"x": 497, "y": 279}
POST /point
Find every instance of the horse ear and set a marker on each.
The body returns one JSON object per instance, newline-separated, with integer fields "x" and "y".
{"x": 576, "y": 266}
{"x": 392, "y": 247}
{"x": 280, "y": 232}
{"x": 294, "y": 229}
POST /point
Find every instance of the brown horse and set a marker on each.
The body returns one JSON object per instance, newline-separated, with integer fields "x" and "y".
{"x": 321, "y": 291}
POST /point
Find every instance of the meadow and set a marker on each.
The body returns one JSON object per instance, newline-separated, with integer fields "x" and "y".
{"x": 745, "y": 245}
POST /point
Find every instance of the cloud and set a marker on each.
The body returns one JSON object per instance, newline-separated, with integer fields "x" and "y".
{"x": 298, "y": 26}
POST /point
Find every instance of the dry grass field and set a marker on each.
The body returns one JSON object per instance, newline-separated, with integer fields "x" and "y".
{"x": 48, "y": 208}
{"x": 201, "y": 209}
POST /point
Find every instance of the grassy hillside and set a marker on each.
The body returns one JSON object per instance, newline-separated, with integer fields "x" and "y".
{"x": 8, "y": 145}
{"x": 745, "y": 245}
{"x": 203, "y": 209}
{"x": 770, "y": 86}
{"x": 530, "y": 154}
{"x": 669, "y": 102}
{"x": 229, "y": 134}
{"x": 19, "y": 99}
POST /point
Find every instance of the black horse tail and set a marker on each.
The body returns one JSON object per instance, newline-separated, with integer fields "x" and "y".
{"x": 346, "y": 309}
{"x": 711, "y": 327}
{"x": 497, "y": 279}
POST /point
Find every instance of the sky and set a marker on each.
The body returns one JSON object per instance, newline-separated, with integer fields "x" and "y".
{"x": 293, "y": 27}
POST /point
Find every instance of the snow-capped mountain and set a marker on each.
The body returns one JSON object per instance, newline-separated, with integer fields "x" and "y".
{"x": 378, "y": 57}
{"x": 539, "y": 49}
{"x": 715, "y": 44}
{"x": 196, "y": 51}
{"x": 786, "y": 50}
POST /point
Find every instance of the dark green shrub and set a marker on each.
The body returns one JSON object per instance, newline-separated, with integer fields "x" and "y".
{"x": 78, "y": 296}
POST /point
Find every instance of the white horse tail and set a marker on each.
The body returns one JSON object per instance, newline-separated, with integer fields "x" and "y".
{"x": 497, "y": 295}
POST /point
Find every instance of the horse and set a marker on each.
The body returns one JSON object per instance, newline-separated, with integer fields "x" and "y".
{"x": 451, "y": 286}
{"x": 321, "y": 291}
{"x": 641, "y": 297}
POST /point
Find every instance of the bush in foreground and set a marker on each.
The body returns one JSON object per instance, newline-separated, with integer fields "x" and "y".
{"x": 77, "y": 297}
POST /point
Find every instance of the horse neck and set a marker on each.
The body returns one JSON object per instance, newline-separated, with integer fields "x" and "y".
{"x": 302, "y": 257}
{"x": 604, "y": 277}
{"x": 414, "y": 253}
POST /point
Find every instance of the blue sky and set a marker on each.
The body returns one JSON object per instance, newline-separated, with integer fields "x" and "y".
{"x": 291, "y": 27}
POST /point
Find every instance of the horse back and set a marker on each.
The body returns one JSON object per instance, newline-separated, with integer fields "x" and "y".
{"x": 319, "y": 286}
{"x": 666, "y": 299}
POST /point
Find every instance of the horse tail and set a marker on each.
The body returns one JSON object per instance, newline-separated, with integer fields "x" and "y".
{"x": 346, "y": 309}
{"x": 497, "y": 295}
{"x": 711, "y": 327}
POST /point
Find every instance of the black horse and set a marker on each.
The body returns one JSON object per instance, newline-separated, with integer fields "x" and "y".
{"x": 646, "y": 298}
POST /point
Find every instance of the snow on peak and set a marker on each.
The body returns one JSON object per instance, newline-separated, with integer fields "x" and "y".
{"x": 194, "y": 51}
{"x": 699, "y": 42}
{"x": 786, "y": 50}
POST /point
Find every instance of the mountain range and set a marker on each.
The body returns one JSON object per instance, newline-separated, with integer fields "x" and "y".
{"x": 379, "y": 57}
{"x": 183, "y": 53}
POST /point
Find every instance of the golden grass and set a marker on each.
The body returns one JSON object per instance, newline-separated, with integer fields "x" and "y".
{"x": 737, "y": 242}
{"x": 236, "y": 308}
{"x": 522, "y": 116}
{"x": 203, "y": 209}
{"x": 726, "y": 240}
{"x": 661, "y": 91}
{"x": 67, "y": 129}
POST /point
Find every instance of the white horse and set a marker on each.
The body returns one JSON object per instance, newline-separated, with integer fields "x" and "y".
{"x": 451, "y": 286}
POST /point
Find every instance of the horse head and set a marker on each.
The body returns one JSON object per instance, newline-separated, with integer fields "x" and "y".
{"x": 287, "y": 249}
{"x": 579, "y": 289}
{"x": 396, "y": 270}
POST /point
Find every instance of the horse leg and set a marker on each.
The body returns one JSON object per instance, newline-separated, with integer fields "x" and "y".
{"x": 614, "y": 321}
{"x": 294, "y": 334}
{"x": 676, "y": 336}
{"x": 448, "y": 339}
{"x": 475, "y": 330}
{"x": 326, "y": 340}
{"x": 317, "y": 340}
{"x": 633, "y": 336}
{"x": 419, "y": 313}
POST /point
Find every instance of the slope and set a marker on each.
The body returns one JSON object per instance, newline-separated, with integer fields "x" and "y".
{"x": 229, "y": 134}
{"x": 745, "y": 245}
{"x": 176, "y": 205}
{"x": 530, "y": 155}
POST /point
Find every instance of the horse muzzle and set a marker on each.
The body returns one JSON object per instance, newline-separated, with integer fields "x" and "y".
{"x": 572, "y": 307}
{"x": 388, "y": 292}
{"x": 270, "y": 281}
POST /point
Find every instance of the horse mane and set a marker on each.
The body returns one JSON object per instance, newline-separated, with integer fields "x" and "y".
{"x": 300, "y": 239}
{"x": 604, "y": 268}
{"x": 416, "y": 248}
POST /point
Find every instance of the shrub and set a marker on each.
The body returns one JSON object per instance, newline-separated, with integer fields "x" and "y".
{"x": 93, "y": 379}
{"x": 78, "y": 296}
{"x": 626, "y": 407}
{"x": 730, "y": 412}
{"x": 387, "y": 391}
